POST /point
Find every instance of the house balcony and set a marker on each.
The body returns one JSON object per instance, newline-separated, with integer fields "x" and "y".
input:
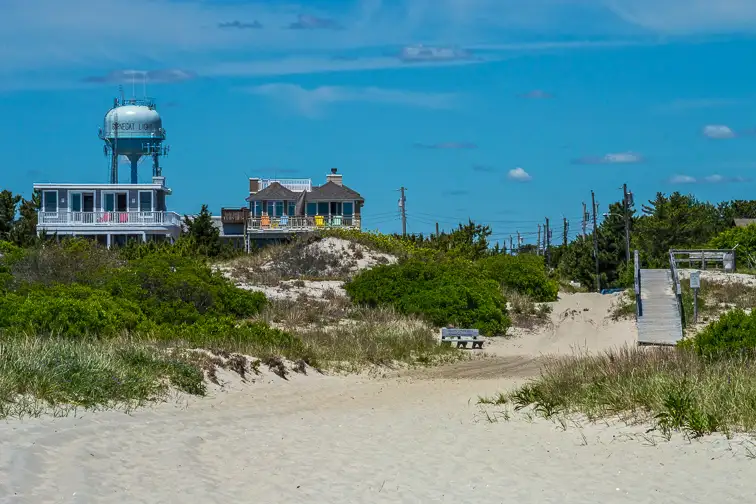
{"x": 286, "y": 224}
{"x": 100, "y": 222}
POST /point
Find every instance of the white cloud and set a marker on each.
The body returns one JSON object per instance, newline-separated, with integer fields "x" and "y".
{"x": 519, "y": 175}
{"x": 684, "y": 17}
{"x": 40, "y": 37}
{"x": 718, "y": 131}
{"x": 310, "y": 102}
{"x": 709, "y": 179}
{"x": 612, "y": 158}
{"x": 682, "y": 179}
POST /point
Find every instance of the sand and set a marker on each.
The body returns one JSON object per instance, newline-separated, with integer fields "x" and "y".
{"x": 414, "y": 437}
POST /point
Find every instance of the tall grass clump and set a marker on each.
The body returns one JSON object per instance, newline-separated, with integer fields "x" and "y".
{"x": 676, "y": 389}
{"x": 39, "y": 374}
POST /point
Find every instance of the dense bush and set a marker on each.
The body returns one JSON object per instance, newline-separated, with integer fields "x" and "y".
{"x": 452, "y": 292}
{"x": 742, "y": 237}
{"x": 175, "y": 289}
{"x": 733, "y": 333}
{"x": 69, "y": 311}
{"x": 525, "y": 274}
{"x": 78, "y": 288}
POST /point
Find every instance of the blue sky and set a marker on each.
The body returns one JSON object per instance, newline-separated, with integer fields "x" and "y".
{"x": 521, "y": 108}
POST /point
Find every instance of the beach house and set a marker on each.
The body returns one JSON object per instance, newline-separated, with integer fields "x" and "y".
{"x": 109, "y": 213}
{"x": 280, "y": 208}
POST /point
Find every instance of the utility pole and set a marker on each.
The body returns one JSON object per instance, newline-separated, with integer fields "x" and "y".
{"x": 548, "y": 244}
{"x": 519, "y": 240}
{"x": 564, "y": 235}
{"x": 538, "y": 242}
{"x": 403, "y": 207}
{"x": 595, "y": 242}
{"x": 511, "y": 247}
{"x": 585, "y": 219}
{"x": 437, "y": 234}
{"x": 626, "y": 208}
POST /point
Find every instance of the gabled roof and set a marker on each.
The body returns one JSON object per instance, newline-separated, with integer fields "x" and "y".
{"x": 333, "y": 192}
{"x": 274, "y": 191}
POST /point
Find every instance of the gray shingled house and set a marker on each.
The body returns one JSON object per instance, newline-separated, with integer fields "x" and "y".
{"x": 279, "y": 208}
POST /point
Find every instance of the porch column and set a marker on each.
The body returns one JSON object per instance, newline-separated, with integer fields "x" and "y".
{"x": 144, "y": 236}
{"x": 108, "y": 240}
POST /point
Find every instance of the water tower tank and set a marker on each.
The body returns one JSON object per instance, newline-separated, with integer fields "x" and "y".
{"x": 133, "y": 128}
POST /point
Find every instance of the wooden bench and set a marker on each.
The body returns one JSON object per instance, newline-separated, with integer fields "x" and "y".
{"x": 461, "y": 337}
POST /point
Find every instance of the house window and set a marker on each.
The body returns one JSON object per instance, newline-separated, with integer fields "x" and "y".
{"x": 322, "y": 208}
{"x": 292, "y": 208}
{"x": 256, "y": 209}
{"x": 109, "y": 205}
{"x": 348, "y": 208}
{"x": 145, "y": 201}
{"x": 279, "y": 208}
{"x": 50, "y": 201}
{"x": 335, "y": 208}
{"x": 312, "y": 209}
{"x": 271, "y": 208}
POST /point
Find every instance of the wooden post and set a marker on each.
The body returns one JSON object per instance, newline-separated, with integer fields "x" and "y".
{"x": 564, "y": 235}
{"x": 626, "y": 208}
{"x": 538, "y": 242}
{"x": 595, "y": 242}
{"x": 548, "y": 243}
{"x": 404, "y": 212}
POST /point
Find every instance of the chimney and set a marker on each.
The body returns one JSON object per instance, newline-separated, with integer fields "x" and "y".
{"x": 254, "y": 186}
{"x": 334, "y": 177}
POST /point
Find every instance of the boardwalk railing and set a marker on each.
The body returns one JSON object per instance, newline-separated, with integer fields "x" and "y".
{"x": 131, "y": 219}
{"x": 638, "y": 300}
{"x": 676, "y": 286}
{"x": 716, "y": 258}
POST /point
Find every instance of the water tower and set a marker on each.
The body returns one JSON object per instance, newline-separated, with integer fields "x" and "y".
{"x": 133, "y": 128}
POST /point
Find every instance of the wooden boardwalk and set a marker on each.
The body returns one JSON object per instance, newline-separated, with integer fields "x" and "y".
{"x": 660, "y": 322}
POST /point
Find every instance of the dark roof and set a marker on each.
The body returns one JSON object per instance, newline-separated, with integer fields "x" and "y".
{"x": 331, "y": 191}
{"x": 274, "y": 191}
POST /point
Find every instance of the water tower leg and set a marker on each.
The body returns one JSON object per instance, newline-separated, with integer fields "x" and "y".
{"x": 134, "y": 166}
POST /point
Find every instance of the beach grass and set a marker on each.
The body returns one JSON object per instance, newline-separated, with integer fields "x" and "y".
{"x": 675, "y": 389}
{"x": 47, "y": 373}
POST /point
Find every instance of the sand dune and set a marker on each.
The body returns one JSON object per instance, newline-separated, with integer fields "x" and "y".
{"x": 416, "y": 437}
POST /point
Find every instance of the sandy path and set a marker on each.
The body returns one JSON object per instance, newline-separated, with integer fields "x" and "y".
{"x": 413, "y": 438}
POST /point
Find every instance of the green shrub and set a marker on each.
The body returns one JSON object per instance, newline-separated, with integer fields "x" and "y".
{"x": 733, "y": 333}
{"x": 525, "y": 274}
{"x": 175, "y": 289}
{"x": 742, "y": 237}
{"x": 70, "y": 261}
{"x": 453, "y": 292}
{"x": 70, "y": 311}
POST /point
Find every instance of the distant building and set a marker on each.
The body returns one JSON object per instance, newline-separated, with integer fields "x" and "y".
{"x": 280, "y": 208}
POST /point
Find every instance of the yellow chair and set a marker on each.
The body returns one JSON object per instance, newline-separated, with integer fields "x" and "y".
{"x": 319, "y": 221}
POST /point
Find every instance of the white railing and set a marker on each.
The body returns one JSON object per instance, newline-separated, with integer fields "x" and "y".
{"x": 65, "y": 218}
{"x": 263, "y": 224}
{"x": 296, "y": 185}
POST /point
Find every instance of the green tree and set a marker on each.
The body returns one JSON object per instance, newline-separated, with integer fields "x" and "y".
{"x": 8, "y": 206}
{"x": 25, "y": 228}
{"x": 203, "y": 233}
{"x": 676, "y": 221}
